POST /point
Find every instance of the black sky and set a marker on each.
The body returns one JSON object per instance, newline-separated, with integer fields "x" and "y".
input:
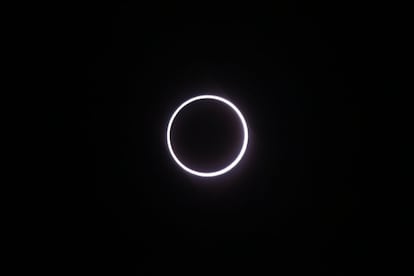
{"x": 291, "y": 206}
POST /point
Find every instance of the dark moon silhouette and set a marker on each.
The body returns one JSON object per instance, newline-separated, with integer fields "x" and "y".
{"x": 207, "y": 135}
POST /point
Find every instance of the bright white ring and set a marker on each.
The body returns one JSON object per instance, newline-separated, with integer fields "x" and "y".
{"x": 242, "y": 150}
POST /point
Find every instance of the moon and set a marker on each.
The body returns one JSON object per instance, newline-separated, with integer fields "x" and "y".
{"x": 233, "y": 163}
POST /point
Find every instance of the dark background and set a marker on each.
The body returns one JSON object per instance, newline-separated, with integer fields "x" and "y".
{"x": 293, "y": 204}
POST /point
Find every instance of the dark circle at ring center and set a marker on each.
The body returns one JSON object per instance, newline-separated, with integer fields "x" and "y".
{"x": 206, "y": 135}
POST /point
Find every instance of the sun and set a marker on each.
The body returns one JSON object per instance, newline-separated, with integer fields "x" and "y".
{"x": 242, "y": 150}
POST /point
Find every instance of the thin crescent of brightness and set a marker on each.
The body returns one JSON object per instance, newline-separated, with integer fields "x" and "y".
{"x": 234, "y": 162}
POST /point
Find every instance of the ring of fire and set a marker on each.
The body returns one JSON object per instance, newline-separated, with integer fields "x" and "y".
{"x": 242, "y": 150}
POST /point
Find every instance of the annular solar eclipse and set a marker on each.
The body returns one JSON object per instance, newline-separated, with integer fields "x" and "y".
{"x": 233, "y": 163}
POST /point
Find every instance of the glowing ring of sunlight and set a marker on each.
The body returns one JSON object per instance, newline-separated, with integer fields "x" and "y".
{"x": 242, "y": 150}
